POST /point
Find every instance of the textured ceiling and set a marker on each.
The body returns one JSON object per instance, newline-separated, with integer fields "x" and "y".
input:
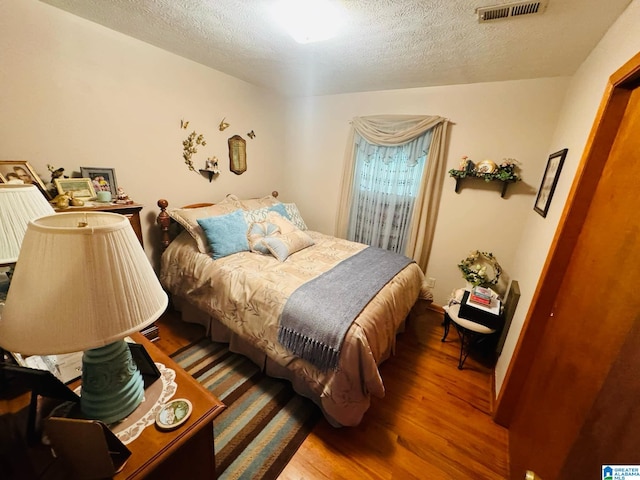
{"x": 386, "y": 44}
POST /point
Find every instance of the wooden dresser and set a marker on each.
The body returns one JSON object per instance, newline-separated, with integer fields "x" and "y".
{"x": 131, "y": 211}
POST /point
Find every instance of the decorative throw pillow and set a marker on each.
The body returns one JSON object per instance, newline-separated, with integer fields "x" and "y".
{"x": 255, "y": 203}
{"x": 281, "y": 221}
{"x": 294, "y": 216}
{"x": 260, "y": 214}
{"x": 257, "y": 233}
{"x": 226, "y": 234}
{"x": 188, "y": 218}
{"x": 281, "y": 246}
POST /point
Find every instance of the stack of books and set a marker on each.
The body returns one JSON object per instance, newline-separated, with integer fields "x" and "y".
{"x": 481, "y": 296}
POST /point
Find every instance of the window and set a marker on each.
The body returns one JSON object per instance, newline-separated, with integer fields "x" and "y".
{"x": 385, "y": 186}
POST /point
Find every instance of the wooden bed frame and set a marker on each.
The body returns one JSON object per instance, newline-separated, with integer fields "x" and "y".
{"x": 343, "y": 395}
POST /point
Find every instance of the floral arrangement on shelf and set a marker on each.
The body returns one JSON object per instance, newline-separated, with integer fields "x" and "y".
{"x": 481, "y": 269}
{"x": 507, "y": 171}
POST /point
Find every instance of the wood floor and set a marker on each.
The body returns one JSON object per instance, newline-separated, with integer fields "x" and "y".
{"x": 434, "y": 422}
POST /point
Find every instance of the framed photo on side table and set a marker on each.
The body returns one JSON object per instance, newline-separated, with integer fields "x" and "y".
{"x": 549, "y": 181}
{"x": 21, "y": 170}
{"x": 103, "y": 179}
{"x": 80, "y": 187}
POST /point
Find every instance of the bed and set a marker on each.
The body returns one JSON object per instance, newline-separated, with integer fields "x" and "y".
{"x": 240, "y": 297}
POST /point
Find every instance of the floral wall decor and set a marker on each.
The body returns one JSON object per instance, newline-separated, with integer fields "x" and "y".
{"x": 189, "y": 149}
{"x": 507, "y": 171}
{"x": 480, "y": 269}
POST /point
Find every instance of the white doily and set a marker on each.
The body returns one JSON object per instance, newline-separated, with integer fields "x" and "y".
{"x": 156, "y": 395}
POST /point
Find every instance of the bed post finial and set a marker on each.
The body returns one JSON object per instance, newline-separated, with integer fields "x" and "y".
{"x": 274, "y": 194}
{"x": 164, "y": 220}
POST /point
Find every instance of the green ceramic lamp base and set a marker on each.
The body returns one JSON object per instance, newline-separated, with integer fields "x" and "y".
{"x": 112, "y": 386}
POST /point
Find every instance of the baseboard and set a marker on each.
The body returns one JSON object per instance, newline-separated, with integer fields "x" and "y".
{"x": 492, "y": 398}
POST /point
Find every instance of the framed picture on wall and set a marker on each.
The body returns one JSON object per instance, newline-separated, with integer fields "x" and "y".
{"x": 21, "y": 170}
{"x": 103, "y": 179}
{"x": 549, "y": 181}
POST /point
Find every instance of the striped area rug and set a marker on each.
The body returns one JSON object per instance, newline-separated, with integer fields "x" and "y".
{"x": 265, "y": 421}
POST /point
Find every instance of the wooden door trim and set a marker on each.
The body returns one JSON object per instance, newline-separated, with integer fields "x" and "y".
{"x": 594, "y": 158}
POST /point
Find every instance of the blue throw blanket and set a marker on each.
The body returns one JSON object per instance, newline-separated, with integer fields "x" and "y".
{"x": 318, "y": 314}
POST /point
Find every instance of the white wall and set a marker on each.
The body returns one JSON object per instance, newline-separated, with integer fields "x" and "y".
{"x": 579, "y": 109}
{"x": 490, "y": 120}
{"x": 73, "y": 93}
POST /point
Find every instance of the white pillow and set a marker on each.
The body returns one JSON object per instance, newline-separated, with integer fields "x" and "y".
{"x": 231, "y": 199}
{"x": 284, "y": 224}
{"x": 254, "y": 203}
{"x": 188, "y": 218}
{"x": 282, "y": 246}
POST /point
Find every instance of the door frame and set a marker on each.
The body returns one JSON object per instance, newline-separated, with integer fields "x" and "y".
{"x": 595, "y": 156}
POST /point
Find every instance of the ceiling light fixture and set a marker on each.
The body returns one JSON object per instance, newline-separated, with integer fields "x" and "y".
{"x": 308, "y": 20}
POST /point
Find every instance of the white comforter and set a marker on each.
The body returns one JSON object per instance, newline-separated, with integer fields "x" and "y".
{"x": 246, "y": 293}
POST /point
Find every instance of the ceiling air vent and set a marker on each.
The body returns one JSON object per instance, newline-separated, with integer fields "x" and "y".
{"x": 508, "y": 10}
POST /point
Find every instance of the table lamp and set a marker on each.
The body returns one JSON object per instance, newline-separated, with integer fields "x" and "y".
{"x": 18, "y": 205}
{"x": 82, "y": 282}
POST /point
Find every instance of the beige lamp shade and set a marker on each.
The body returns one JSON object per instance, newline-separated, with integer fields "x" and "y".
{"x": 18, "y": 205}
{"x": 82, "y": 281}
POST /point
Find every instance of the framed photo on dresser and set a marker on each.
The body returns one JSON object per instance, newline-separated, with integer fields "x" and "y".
{"x": 103, "y": 179}
{"x": 80, "y": 187}
{"x": 21, "y": 170}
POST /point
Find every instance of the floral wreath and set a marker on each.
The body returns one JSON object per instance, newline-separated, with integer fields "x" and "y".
{"x": 474, "y": 269}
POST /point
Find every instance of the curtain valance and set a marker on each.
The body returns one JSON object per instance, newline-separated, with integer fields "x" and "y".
{"x": 390, "y": 130}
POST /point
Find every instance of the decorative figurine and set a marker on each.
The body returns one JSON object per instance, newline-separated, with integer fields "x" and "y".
{"x": 122, "y": 198}
{"x": 211, "y": 165}
{"x": 75, "y": 202}
{"x": 56, "y": 172}
{"x": 61, "y": 201}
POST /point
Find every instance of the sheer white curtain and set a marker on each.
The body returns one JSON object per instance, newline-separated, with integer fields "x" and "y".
{"x": 393, "y": 170}
{"x": 386, "y": 183}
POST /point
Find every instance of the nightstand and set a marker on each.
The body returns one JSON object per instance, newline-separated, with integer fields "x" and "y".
{"x": 186, "y": 452}
{"x": 160, "y": 454}
{"x": 131, "y": 211}
{"x": 473, "y": 323}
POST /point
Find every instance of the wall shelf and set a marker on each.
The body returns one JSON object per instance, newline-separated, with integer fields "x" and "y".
{"x": 481, "y": 177}
{"x": 208, "y": 173}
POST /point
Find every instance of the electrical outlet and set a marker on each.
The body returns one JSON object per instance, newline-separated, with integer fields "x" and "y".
{"x": 431, "y": 282}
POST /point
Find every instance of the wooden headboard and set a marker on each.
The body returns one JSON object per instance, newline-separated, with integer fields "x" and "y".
{"x": 169, "y": 228}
